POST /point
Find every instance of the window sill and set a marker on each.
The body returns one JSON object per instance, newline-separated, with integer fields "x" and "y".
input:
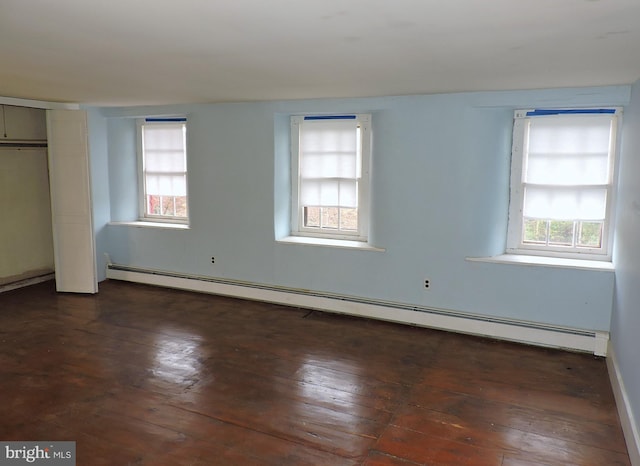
{"x": 142, "y": 224}
{"x": 333, "y": 243}
{"x": 543, "y": 261}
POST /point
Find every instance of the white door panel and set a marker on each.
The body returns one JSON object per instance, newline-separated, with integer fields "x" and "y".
{"x": 74, "y": 247}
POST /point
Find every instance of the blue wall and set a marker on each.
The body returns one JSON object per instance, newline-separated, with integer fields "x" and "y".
{"x": 625, "y": 325}
{"x": 440, "y": 193}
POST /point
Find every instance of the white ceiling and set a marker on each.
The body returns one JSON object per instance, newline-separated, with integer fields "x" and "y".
{"x": 131, "y": 52}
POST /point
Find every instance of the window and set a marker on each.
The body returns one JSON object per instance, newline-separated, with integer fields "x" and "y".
{"x": 330, "y": 176}
{"x": 562, "y": 178}
{"x": 163, "y": 169}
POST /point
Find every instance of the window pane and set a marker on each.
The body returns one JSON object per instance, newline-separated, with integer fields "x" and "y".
{"x": 153, "y": 205}
{"x": 349, "y": 219}
{"x": 590, "y": 234}
{"x": 181, "y": 206}
{"x": 561, "y": 233}
{"x": 312, "y": 217}
{"x": 167, "y": 205}
{"x": 535, "y": 231}
{"x": 329, "y": 217}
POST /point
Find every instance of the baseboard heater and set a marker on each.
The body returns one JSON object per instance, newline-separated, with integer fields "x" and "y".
{"x": 462, "y": 322}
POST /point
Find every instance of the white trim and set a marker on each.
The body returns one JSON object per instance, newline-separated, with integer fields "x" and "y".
{"x": 152, "y": 224}
{"x": 544, "y": 261}
{"x": 26, "y": 282}
{"x": 327, "y": 242}
{"x": 140, "y": 161}
{"x": 38, "y": 104}
{"x": 505, "y": 329}
{"x": 627, "y": 419}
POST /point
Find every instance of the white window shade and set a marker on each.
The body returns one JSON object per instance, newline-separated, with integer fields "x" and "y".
{"x": 166, "y": 185}
{"x": 329, "y": 164}
{"x": 165, "y": 162}
{"x": 570, "y": 151}
{"x": 329, "y": 192}
{"x": 165, "y": 137}
{"x": 567, "y": 170}
{"x": 563, "y": 204}
{"x": 585, "y": 134}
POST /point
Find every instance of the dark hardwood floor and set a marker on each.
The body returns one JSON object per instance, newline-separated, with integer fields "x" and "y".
{"x": 139, "y": 375}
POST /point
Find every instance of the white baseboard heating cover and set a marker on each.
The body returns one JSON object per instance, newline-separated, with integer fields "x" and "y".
{"x": 505, "y": 329}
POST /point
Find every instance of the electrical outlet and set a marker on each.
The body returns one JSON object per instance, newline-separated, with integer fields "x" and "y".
{"x": 427, "y": 284}
{"x": 213, "y": 260}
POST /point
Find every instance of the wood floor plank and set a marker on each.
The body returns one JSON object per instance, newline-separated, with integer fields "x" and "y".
{"x": 481, "y": 432}
{"x": 377, "y": 458}
{"x": 427, "y": 449}
{"x": 140, "y": 375}
{"x": 571, "y": 428}
{"x": 523, "y": 395}
{"x": 216, "y": 436}
{"x": 510, "y": 461}
{"x": 538, "y": 370}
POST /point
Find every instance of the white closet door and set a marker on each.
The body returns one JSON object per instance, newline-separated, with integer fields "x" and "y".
{"x": 73, "y": 240}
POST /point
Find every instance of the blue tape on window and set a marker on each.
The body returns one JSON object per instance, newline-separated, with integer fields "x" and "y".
{"x": 170, "y": 120}
{"x": 573, "y": 111}
{"x": 331, "y": 117}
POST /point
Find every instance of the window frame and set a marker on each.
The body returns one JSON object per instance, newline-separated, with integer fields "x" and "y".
{"x": 364, "y": 183}
{"x": 143, "y": 215}
{"x": 515, "y": 241}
